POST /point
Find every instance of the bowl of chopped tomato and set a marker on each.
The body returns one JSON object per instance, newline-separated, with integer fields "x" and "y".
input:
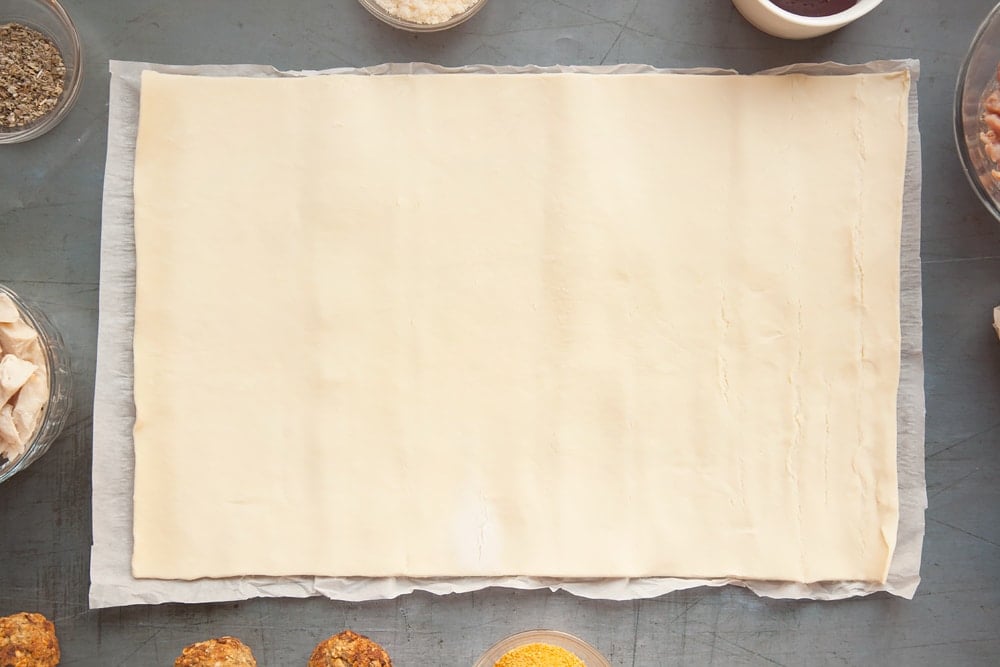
{"x": 977, "y": 113}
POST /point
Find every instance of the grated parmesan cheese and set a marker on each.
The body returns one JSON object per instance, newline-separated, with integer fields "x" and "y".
{"x": 425, "y": 11}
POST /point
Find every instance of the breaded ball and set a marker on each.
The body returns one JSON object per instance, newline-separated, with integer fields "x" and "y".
{"x": 28, "y": 640}
{"x": 218, "y": 652}
{"x": 349, "y": 649}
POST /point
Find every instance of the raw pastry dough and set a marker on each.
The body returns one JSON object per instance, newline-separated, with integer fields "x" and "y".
{"x": 557, "y": 325}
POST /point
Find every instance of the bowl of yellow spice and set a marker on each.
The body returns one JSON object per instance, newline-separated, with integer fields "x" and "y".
{"x": 41, "y": 68}
{"x": 542, "y": 648}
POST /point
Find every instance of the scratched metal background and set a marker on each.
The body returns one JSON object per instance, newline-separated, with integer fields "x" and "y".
{"x": 50, "y": 201}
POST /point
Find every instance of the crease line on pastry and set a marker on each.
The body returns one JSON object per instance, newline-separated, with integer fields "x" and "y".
{"x": 796, "y": 448}
{"x": 826, "y": 443}
{"x": 857, "y": 247}
{"x": 722, "y": 361}
{"x": 482, "y": 526}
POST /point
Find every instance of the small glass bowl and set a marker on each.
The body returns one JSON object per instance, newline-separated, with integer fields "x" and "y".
{"x": 60, "y": 387}
{"x": 49, "y": 18}
{"x": 590, "y": 655}
{"x": 380, "y": 13}
{"x": 976, "y": 79}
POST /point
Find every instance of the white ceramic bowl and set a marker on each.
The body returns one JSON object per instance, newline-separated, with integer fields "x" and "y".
{"x": 773, "y": 20}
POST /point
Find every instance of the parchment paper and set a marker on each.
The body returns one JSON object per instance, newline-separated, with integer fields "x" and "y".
{"x": 112, "y": 583}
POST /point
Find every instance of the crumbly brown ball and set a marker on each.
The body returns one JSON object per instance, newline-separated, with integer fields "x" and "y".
{"x": 349, "y": 649}
{"x": 28, "y": 640}
{"x": 219, "y": 652}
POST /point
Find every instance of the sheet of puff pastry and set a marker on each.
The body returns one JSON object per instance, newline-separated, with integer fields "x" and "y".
{"x": 555, "y": 325}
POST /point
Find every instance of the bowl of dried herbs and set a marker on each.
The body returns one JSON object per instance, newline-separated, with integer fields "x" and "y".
{"x": 41, "y": 67}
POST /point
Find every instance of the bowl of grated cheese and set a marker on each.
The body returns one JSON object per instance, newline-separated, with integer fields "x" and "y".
{"x": 423, "y": 15}
{"x": 542, "y": 648}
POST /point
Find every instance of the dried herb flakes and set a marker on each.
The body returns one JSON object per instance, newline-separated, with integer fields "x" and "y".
{"x": 32, "y": 75}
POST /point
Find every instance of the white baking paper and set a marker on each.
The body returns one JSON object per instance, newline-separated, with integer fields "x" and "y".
{"x": 112, "y": 583}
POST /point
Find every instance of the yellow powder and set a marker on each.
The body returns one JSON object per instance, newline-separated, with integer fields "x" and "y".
{"x": 539, "y": 655}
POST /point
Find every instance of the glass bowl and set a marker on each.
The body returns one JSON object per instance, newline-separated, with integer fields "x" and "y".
{"x": 49, "y": 18}
{"x": 60, "y": 387}
{"x": 590, "y": 655}
{"x": 976, "y": 79}
{"x": 382, "y": 14}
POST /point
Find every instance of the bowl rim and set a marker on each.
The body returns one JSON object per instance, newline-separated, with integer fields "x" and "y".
{"x": 72, "y": 86}
{"x": 592, "y": 657}
{"x": 958, "y": 128}
{"x": 385, "y": 16}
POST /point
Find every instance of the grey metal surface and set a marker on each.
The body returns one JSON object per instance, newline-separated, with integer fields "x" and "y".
{"x": 50, "y": 195}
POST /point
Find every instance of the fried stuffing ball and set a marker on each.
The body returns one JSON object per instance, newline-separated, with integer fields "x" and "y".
{"x": 28, "y": 640}
{"x": 219, "y": 652}
{"x": 349, "y": 649}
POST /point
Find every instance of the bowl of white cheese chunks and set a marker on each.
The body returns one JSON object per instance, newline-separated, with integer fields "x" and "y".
{"x": 35, "y": 383}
